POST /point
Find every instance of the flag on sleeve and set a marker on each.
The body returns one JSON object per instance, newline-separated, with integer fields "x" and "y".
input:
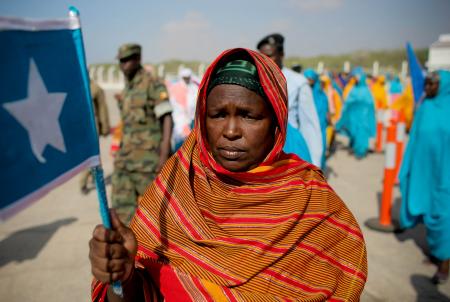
{"x": 48, "y": 131}
{"x": 417, "y": 73}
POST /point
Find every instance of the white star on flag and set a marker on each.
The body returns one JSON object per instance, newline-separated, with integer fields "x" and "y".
{"x": 39, "y": 114}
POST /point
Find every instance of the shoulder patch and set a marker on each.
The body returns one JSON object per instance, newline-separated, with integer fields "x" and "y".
{"x": 163, "y": 95}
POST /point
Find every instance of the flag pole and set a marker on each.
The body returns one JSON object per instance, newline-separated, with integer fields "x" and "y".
{"x": 97, "y": 171}
{"x": 416, "y": 73}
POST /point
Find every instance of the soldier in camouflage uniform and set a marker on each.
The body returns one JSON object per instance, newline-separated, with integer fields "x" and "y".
{"x": 147, "y": 125}
{"x": 102, "y": 121}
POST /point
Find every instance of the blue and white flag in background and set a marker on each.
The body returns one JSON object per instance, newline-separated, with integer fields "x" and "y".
{"x": 416, "y": 72}
{"x": 47, "y": 124}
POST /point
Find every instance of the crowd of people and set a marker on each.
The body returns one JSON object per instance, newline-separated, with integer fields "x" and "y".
{"x": 218, "y": 187}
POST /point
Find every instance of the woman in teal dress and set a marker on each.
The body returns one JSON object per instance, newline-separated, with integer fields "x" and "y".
{"x": 358, "y": 115}
{"x": 425, "y": 172}
{"x": 321, "y": 102}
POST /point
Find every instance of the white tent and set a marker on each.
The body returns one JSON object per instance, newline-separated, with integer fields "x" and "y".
{"x": 439, "y": 54}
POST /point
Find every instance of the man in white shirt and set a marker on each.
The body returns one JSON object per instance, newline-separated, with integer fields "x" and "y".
{"x": 302, "y": 110}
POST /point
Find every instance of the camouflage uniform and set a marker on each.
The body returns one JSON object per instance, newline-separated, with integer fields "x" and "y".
{"x": 102, "y": 122}
{"x": 144, "y": 101}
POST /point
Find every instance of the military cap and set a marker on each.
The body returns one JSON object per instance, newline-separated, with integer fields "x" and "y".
{"x": 129, "y": 49}
{"x": 273, "y": 39}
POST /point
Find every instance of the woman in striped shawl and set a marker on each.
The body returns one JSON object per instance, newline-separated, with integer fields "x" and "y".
{"x": 231, "y": 217}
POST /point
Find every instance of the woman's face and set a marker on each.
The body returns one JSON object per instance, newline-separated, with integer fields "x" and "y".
{"x": 431, "y": 86}
{"x": 239, "y": 126}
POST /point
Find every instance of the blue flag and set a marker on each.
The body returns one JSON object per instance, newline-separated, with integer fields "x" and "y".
{"x": 417, "y": 73}
{"x": 46, "y": 115}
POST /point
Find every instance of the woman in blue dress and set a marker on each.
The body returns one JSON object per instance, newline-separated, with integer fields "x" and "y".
{"x": 321, "y": 102}
{"x": 358, "y": 115}
{"x": 425, "y": 172}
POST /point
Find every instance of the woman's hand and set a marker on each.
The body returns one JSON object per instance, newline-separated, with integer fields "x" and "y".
{"x": 112, "y": 251}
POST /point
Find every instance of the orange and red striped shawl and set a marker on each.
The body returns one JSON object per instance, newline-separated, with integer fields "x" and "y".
{"x": 275, "y": 233}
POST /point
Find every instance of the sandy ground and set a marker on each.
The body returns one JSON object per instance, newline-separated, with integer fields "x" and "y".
{"x": 43, "y": 249}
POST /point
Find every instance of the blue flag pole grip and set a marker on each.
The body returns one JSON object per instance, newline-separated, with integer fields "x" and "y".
{"x": 97, "y": 171}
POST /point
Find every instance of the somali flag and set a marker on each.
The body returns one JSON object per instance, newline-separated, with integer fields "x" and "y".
{"x": 417, "y": 73}
{"x": 48, "y": 131}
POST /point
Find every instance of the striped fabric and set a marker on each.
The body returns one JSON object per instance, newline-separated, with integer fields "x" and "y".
{"x": 275, "y": 233}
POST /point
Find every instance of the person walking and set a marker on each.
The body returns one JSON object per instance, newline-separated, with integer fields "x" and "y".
{"x": 321, "y": 102}
{"x": 183, "y": 95}
{"x": 303, "y": 114}
{"x": 358, "y": 115}
{"x": 425, "y": 171}
{"x": 146, "y": 132}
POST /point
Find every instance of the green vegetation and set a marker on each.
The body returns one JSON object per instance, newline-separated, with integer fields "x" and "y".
{"x": 171, "y": 66}
{"x": 389, "y": 60}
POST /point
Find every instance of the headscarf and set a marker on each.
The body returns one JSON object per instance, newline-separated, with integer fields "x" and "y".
{"x": 404, "y": 105}
{"x": 395, "y": 86}
{"x": 359, "y": 74}
{"x": 185, "y": 73}
{"x": 379, "y": 93}
{"x": 238, "y": 72}
{"x": 334, "y": 98}
{"x": 277, "y": 232}
{"x": 309, "y": 73}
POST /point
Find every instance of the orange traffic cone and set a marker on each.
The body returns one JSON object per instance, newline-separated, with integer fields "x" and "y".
{"x": 400, "y": 139}
{"x": 384, "y": 222}
{"x": 379, "y": 138}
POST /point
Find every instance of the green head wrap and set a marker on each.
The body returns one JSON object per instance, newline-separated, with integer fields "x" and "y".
{"x": 237, "y": 72}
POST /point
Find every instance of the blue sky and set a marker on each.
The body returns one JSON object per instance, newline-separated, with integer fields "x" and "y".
{"x": 201, "y": 29}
